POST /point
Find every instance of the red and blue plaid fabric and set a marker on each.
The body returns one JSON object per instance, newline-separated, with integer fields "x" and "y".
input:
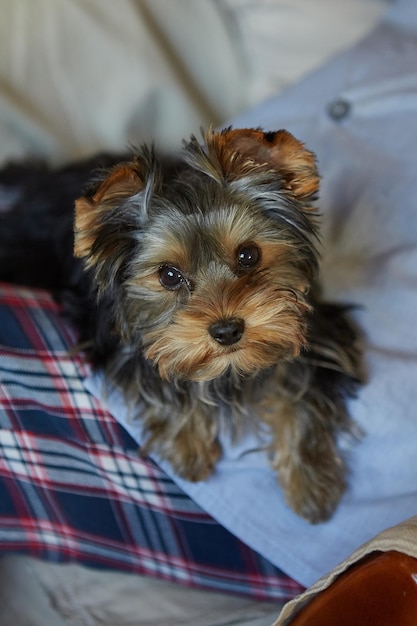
{"x": 72, "y": 486}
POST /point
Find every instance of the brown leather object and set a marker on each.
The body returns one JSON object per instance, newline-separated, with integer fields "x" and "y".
{"x": 380, "y": 590}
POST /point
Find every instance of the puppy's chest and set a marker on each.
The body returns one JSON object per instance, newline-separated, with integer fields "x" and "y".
{"x": 246, "y": 403}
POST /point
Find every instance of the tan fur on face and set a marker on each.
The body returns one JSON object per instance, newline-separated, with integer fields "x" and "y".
{"x": 270, "y": 299}
{"x": 274, "y": 329}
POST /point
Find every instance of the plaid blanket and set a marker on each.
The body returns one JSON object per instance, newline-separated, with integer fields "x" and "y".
{"x": 72, "y": 486}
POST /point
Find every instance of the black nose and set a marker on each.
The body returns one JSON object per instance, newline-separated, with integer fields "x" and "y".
{"x": 228, "y": 331}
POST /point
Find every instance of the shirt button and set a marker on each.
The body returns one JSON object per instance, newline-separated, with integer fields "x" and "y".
{"x": 339, "y": 109}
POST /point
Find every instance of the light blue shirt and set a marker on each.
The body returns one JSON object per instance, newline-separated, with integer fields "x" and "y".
{"x": 359, "y": 114}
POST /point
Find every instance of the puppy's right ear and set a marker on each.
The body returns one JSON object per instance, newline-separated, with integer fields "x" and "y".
{"x": 106, "y": 213}
{"x": 107, "y": 222}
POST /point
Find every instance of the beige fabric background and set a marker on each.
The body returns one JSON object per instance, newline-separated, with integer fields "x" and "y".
{"x": 78, "y": 76}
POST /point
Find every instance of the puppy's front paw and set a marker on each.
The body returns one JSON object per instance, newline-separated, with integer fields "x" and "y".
{"x": 192, "y": 458}
{"x": 192, "y": 450}
{"x": 314, "y": 492}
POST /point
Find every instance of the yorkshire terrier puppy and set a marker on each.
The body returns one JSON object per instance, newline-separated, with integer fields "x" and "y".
{"x": 194, "y": 286}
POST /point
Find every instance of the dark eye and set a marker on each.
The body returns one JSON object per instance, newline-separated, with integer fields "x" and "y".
{"x": 170, "y": 277}
{"x": 248, "y": 256}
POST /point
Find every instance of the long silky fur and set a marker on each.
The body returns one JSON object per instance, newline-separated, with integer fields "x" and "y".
{"x": 134, "y": 330}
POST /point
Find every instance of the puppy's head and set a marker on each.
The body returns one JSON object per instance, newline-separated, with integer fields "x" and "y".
{"x": 209, "y": 268}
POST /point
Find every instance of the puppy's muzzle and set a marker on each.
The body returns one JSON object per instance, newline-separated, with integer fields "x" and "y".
{"x": 227, "y": 331}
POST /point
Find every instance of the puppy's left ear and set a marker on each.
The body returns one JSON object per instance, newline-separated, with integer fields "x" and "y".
{"x": 240, "y": 151}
